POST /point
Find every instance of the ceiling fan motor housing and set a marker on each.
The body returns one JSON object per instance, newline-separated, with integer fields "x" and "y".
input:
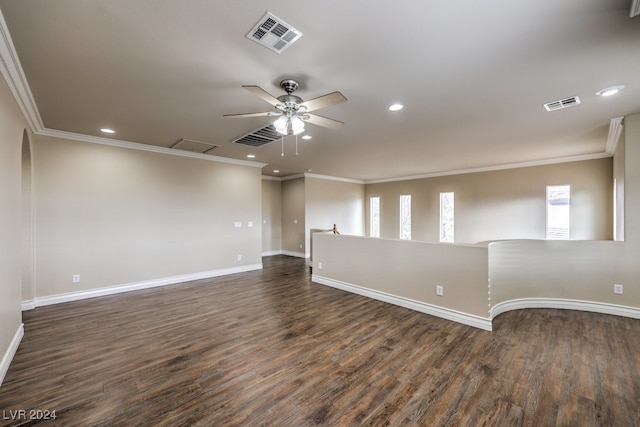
{"x": 289, "y": 85}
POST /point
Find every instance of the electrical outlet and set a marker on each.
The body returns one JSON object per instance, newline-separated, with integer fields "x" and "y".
{"x": 440, "y": 290}
{"x": 75, "y": 278}
{"x": 300, "y": 245}
{"x": 319, "y": 266}
{"x": 239, "y": 257}
{"x": 617, "y": 289}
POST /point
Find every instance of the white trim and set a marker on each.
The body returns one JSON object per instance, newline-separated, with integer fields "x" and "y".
{"x": 11, "y": 352}
{"x": 565, "y": 304}
{"x": 333, "y": 178}
{"x": 92, "y": 293}
{"x": 615, "y": 130}
{"x": 29, "y": 304}
{"x": 290, "y": 177}
{"x": 295, "y": 254}
{"x": 434, "y": 310}
{"x": 271, "y": 178}
{"x": 13, "y": 74}
{"x": 145, "y": 147}
{"x": 271, "y": 253}
{"x": 578, "y": 158}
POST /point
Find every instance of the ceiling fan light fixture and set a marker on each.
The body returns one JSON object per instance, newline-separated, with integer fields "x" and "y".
{"x": 396, "y": 107}
{"x": 281, "y": 125}
{"x": 297, "y": 125}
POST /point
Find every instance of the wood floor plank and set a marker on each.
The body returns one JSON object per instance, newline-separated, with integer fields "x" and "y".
{"x": 271, "y": 348}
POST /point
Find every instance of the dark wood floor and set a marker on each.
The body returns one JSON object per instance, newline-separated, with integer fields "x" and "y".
{"x": 271, "y": 348}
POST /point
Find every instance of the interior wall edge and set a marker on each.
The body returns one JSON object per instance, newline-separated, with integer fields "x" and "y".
{"x": 10, "y": 353}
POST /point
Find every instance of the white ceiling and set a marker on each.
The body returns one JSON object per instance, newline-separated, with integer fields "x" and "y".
{"x": 472, "y": 75}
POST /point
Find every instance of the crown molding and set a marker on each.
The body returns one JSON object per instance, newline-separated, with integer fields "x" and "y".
{"x": 615, "y": 130}
{"x": 497, "y": 167}
{"x": 13, "y": 74}
{"x": 145, "y": 147}
{"x": 334, "y": 178}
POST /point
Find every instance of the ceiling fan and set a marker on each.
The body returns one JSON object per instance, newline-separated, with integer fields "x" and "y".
{"x": 292, "y": 111}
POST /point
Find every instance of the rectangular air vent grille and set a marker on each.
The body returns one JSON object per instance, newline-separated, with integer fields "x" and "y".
{"x": 562, "y": 103}
{"x": 259, "y": 137}
{"x": 194, "y": 146}
{"x": 273, "y": 33}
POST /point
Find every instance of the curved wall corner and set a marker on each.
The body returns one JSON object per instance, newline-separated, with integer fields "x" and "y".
{"x": 575, "y": 275}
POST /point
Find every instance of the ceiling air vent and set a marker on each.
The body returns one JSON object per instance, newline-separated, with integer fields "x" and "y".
{"x": 563, "y": 103}
{"x": 259, "y": 137}
{"x": 195, "y": 146}
{"x": 273, "y": 33}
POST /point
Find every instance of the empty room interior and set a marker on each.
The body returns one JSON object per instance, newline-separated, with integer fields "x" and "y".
{"x": 320, "y": 213}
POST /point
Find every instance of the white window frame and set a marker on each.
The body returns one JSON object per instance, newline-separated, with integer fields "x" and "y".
{"x": 444, "y": 236}
{"x": 554, "y": 224}
{"x": 404, "y": 233}
{"x": 374, "y": 226}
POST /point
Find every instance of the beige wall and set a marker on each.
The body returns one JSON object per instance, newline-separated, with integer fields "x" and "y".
{"x": 505, "y": 204}
{"x": 271, "y": 216}
{"x": 12, "y": 125}
{"x": 118, "y": 216}
{"x": 409, "y": 270}
{"x": 293, "y": 217}
{"x": 331, "y": 201}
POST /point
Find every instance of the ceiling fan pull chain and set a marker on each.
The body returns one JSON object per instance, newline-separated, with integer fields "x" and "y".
{"x": 282, "y": 153}
{"x": 296, "y": 145}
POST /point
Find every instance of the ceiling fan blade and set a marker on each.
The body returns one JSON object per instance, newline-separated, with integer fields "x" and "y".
{"x": 324, "y": 101}
{"x": 323, "y": 121}
{"x": 243, "y": 115}
{"x": 258, "y": 91}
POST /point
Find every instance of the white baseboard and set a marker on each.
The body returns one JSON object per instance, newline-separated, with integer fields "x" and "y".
{"x": 565, "y": 304}
{"x": 11, "y": 352}
{"x": 92, "y": 293}
{"x": 28, "y": 305}
{"x": 295, "y": 254}
{"x": 271, "y": 253}
{"x": 434, "y": 310}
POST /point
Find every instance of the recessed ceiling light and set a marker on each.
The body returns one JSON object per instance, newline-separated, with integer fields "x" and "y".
{"x": 612, "y": 90}
{"x": 107, "y": 130}
{"x": 307, "y": 137}
{"x": 251, "y": 156}
{"x": 396, "y": 107}
{"x": 276, "y": 171}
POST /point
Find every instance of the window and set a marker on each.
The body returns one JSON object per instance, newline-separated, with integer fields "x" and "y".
{"x": 446, "y": 217}
{"x": 405, "y": 216}
{"x": 374, "y": 216}
{"x": 558, "y": 212}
